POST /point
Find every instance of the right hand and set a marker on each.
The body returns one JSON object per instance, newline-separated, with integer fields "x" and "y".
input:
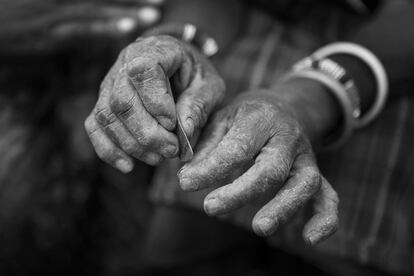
{"x": 136, "y": 115}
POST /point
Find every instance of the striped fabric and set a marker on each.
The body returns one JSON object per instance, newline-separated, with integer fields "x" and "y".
{"x": 373, "y": 173}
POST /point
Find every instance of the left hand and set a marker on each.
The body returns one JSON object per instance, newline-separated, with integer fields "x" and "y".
{"x": 261, "y": 126}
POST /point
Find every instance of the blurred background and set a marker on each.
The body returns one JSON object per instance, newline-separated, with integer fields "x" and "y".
{"x": 61, "y": 210}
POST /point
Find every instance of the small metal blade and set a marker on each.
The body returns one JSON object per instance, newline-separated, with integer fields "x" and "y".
{"x": 186, "y": 151}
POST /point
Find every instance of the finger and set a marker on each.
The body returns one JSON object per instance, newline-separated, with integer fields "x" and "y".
{"x": 149, "y": 135}
{"x": 116, "y": 130}
{"x": 105, "y": 148}
{"x": 211, "y": 136}
{"x": 152, "y": 62}
{"x": 268, "y": 173}
{"x": 197, "y": 102}
{"x": 300, "y": 187}
{"x": 120, "y": 136}
{"x": 240, "y": 145}
{"x": 325, "y": 221}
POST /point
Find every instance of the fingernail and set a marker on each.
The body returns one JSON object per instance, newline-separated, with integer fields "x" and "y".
{"x": 170, "y": 151}
{"x": 166, "y": 122}
{"x": 265, "y": 226}
{"x": 124, "y": 165}
{"x": 312, "y": 238}
{"x": 186, "y": 184}
{"x": 212, "y": 206}
{"x": 189, "y": 127}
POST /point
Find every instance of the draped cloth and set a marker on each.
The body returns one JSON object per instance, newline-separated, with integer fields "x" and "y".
{"x": 373, "y": 172}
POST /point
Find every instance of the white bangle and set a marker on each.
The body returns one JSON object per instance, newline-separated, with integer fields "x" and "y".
{"x": 343, "y": 100}
{"x": 338, "y": 73}
{"x": 375, "y": 66}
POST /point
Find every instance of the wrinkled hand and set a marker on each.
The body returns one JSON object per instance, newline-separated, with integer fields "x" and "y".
{"x": 136, "y": 115}
{"x": 260, "y": 127}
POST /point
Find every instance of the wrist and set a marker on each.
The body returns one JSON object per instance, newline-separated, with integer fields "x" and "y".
{"x": 313, "y": 106}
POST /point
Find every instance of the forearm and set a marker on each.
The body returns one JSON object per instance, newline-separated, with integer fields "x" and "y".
{"x": 314, "y": 107}
{"x": 222, "y": 20}
{"x": 389, "y": 36}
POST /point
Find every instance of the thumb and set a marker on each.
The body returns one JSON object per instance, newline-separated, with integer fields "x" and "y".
{"x": 196, "y": 103}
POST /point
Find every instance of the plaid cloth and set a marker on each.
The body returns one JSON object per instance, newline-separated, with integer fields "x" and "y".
{"x": 373, "y": 173}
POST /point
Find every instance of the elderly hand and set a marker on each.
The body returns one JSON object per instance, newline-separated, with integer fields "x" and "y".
{"x": 136, "y": 114}
{"x": 262, "y": 127}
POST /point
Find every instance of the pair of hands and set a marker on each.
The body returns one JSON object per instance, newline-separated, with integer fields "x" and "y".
{"x": 136, "y": 115}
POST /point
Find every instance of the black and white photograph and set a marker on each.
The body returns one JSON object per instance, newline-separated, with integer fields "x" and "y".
{"x": 207, "y": 137}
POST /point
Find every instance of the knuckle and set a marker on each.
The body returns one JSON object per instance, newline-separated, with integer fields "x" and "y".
{"x": 279, "y": 165}
{"x": 146, "y": 137}
{"x": 104, "y": 116}
{"x": 122, "y": 105}
{"x": 258, "y": 111}
{"x": 199, "y": 112}
{"x": 313, "y": 177}
{"x": 242, "y": 151}
{"x": 141, "y": 69}
{"x": 279, "y": 173}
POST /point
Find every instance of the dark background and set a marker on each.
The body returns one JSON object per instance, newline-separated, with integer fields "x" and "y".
{"x": 62, "y": 211}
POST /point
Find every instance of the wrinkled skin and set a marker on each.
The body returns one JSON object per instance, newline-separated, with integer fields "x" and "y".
{"x": 260, "y": 127}
{"x": 136, "y": 114}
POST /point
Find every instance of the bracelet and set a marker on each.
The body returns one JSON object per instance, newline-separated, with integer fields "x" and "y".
{"x": 190, "y": 34}
{"x": 375, "y": 66}
{"x": 342, "y": 97}
{"x": 338, "y": 73}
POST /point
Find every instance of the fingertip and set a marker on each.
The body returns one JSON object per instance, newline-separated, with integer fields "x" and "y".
{"x": 213, "y": 206}
{"x": 124, "y": 165}
{"x": 186, "y": 180}
{"x": 187, "y": 184}
{"x": 319, "y": 229}
{"x": 313, "y": 238}
{"x": 264, "y": 227}
{"x": 170, "y": 151}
